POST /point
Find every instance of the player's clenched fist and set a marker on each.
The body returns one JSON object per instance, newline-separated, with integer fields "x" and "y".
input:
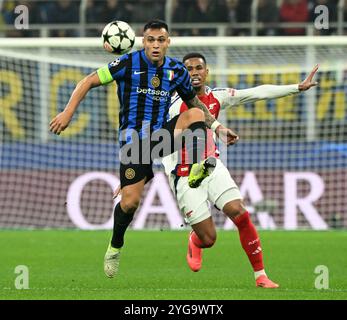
{"x": 60, "y": 122}
{"x": 228, "y": 136}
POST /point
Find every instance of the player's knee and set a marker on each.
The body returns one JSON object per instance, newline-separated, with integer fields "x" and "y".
{"x": 130, "y": 205}
{"x": 194, "y": 115}
{"x": 234, "y": 208}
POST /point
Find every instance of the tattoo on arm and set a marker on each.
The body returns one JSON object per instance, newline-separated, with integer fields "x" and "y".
{"x": 196, "y": 103}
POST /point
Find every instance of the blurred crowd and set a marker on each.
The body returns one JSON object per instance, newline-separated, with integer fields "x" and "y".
{"x": 235, "y": 13}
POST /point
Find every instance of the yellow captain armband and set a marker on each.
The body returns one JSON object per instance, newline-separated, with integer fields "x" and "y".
{"x": 104, "y": 75}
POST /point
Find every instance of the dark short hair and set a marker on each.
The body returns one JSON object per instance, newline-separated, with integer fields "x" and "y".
{"x": 156, "y": 24}
{"x": 193, "y": 55}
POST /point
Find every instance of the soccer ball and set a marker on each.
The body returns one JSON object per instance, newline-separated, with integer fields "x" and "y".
{"x": 118, "y": 37}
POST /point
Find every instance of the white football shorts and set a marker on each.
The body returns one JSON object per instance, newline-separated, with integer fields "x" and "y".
{"x": 218, "y": 188}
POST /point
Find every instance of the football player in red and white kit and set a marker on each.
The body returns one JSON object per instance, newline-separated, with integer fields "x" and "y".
{"x": 219, "y": 188}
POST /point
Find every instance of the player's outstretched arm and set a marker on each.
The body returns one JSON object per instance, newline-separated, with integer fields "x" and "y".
{"x": 308, "y": 83}
{"x": 266, "y": 91}
{"x": 60, "y": 122}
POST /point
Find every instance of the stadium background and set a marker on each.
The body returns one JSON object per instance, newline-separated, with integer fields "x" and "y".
{"x": 290, "y": 162}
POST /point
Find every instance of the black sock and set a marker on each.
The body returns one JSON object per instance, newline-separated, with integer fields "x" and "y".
{"x": 196, "y": 141}
{"x": 120, "y": 224}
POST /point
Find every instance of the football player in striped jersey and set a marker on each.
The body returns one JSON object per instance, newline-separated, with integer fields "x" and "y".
{"x": 146, "y": 80}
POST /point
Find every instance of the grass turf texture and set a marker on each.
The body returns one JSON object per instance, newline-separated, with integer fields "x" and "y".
{"x": 69, "y": 265}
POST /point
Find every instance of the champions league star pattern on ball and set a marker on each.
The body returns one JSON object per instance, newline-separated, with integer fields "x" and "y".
{"x": 118, "y": 37}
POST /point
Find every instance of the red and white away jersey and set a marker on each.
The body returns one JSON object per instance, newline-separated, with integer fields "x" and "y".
{"x": 213, "y": 99}
{"x": 218, "y": 99}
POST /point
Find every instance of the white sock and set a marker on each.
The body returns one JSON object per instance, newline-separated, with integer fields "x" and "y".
{"x": 259, "y": 273}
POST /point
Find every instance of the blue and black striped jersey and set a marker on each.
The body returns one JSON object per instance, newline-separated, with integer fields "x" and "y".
{"x": 145, "y": 90}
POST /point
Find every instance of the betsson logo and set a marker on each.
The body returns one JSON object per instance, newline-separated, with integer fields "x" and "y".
{"x": 157, "y": 94}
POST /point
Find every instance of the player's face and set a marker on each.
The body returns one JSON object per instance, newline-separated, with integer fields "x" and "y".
{"x": 197, "y": 71}
{"x": 156, "y": 42}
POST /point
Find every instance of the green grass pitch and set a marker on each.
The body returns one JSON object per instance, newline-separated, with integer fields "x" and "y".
{"x": 69, "y": 265}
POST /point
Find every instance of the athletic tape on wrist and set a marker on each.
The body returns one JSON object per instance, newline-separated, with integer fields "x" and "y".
{"x": 215, "y": 125}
